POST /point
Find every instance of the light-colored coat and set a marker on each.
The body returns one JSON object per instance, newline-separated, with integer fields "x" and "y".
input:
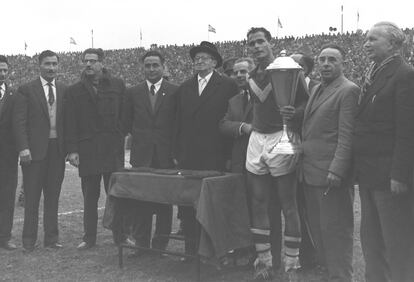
{"x": 327, "y": 131}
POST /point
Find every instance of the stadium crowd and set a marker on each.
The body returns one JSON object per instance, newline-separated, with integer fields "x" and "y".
{"x": 124, "y": 63}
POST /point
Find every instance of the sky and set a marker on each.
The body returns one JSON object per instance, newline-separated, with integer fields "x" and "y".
{"x": 49, "y": 24}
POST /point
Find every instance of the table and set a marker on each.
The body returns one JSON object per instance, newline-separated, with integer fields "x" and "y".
{"x": 219, "y": 201}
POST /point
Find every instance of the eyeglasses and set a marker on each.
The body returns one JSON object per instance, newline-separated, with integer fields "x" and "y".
{"x": 202, "y": 58}
{"x": 91, "y": 61}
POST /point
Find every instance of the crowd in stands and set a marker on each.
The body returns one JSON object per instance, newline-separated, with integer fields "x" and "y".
{"x": 124, "y": 63}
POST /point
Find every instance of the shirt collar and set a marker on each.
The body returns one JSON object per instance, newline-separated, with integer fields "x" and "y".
{"x": 156, "y": 84}
{"x": 45, "y": 82}
{"x": 207, "y": 77}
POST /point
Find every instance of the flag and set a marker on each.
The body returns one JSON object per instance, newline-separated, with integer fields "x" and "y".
{"x": 25, "y": 46}
{"x": 279, "y": 23}
{"x": 140, "y": 34}
{"x": 72, "y": 41}
{"x": 342, "y": 8}
{"x": 211, "y": 29}
{"x": 357, "y": 16}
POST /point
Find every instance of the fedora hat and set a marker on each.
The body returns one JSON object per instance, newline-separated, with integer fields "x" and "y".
{"x": 209, "y": 48}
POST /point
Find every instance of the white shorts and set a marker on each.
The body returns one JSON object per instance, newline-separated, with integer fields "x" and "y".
{"x": 260, "y": 160}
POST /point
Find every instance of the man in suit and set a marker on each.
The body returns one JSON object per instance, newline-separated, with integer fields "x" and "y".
{"x": 202, "y": 103}
{"x": 8, "y": 158}
{"x": 95, "y": 137}
{"x": 237, "y": 121}
{"x": 149, "y": 115}
{"x": 384, "y": 156}
{"x": 38, "y": 126}
{"x": 272, "y": 175}
{"x": 328, "y": 186}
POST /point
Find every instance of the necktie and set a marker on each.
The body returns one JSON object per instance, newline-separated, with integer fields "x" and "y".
{"x": 51, "y": 97}
{"x": 152, "y": 89}
{"x": 201, "y": 85}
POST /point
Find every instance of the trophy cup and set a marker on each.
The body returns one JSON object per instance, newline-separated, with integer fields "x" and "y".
{"x": 284, "y": 77}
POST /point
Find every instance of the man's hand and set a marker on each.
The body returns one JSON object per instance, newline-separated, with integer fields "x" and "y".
{"x": 333, "y": 180}
{"x": 398, "y": 188}
{"x": 287, "y": 112}
{"x": 246, "y": 128}
{"x": 25, "y": 156}
{"x": 73, "y": 159}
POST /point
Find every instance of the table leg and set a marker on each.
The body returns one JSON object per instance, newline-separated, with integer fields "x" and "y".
{"x": 120, "y": 256}
{"x": 197, "y": 238}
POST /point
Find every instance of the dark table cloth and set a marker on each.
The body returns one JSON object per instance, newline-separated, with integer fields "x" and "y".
{"x": 220, "y": 203}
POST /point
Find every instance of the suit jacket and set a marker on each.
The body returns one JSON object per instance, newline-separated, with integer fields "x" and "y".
{"x": 31, "y": 119}
{"x": 312, "y": 84}
{"x": 327, "y": 131}
{"x": 384, "y": 131}
{"x": 199, "y": 143}
{"x": 8, "y": 153}
{"x": 237, "y": 113}
{"x": 93, "y": 126}
{"x": 152, "y": 129}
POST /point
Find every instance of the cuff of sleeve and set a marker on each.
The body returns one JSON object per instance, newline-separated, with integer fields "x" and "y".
{"x": 240, "y": 128}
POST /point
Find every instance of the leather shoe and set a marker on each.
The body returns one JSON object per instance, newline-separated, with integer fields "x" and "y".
{"x": 84, "y": 246}
{"x": 8, "y": 246}
{"x": 28, "y": 249}
{"x": 140, "y": 253}
{"x": 54, "y": 246}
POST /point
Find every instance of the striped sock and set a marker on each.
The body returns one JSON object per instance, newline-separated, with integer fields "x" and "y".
{"x": 262, "y": 244}
{"x": 292, "y": 245}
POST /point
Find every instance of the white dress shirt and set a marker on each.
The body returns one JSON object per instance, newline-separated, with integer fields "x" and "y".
{"x": 157, "y": 85}
{"x": 202, "y": 82}
{"x": 46, "y": 88}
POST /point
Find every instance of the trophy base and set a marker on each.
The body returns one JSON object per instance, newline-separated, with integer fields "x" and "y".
{"x": 286, "y": 148}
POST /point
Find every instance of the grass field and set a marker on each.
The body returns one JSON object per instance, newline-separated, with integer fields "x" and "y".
{"x": 101, "y": 263}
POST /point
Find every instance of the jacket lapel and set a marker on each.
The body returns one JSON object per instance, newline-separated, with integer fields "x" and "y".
{"x": 209, "y": 90}
{"x": 247, "y": 109}
{"x": 160, "y": 97}
{"x": 7, "y": 93}
{"x": 59, "y": 101}
{"x": 41, "y": 97}
{"x": 146, "y": 98}
{"x": 380, "y": 81}
{"x": 331, "y": 89}
{"x": 313, "y": 91}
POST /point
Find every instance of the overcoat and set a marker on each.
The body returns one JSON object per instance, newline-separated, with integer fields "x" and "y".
{"x": 93, "y": 124}
{"x": 199, "y": 143}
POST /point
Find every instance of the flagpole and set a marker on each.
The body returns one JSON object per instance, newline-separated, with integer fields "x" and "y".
{"x": 342, "y": 19}
{"x": 92, "y": 37}
{"x": 140, "y": 37}
{"x": 357, "y": 20}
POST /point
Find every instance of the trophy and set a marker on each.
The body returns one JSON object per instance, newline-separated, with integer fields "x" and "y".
{"x": 284, "y": 77}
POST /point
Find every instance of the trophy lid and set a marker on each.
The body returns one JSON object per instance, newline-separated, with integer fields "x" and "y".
{"x": 283, "y": 63}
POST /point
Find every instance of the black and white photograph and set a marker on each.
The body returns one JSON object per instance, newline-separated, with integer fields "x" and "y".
{"x": 218, "y": 141}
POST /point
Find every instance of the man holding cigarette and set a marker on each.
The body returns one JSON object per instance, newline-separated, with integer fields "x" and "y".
{"x": 327, "y": 134}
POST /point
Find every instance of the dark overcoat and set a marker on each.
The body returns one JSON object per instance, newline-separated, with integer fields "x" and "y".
{"x": 93, "y": 126}
{"x": 199, "y": 143}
